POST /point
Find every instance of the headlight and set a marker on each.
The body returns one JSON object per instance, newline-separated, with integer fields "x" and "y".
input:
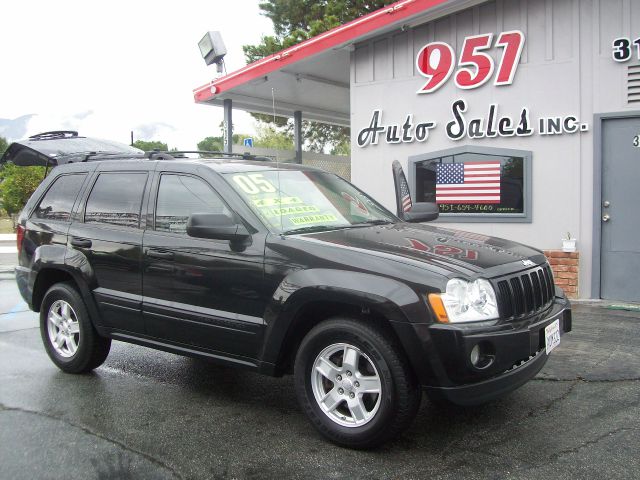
{"x": 466, "y": 301}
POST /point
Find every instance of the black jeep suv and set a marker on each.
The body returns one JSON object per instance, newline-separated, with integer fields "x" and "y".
{"x": 282, "y": 269}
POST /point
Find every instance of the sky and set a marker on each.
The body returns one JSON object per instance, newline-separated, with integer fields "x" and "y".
{"x": 106, "y": 68}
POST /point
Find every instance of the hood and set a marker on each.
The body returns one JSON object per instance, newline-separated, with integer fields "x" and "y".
{"x": 453, "y": 250}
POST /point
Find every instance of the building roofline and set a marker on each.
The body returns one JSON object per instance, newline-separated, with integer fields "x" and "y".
{"x": 331, "y": 39}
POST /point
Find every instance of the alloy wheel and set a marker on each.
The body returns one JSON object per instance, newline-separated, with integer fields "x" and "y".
{"x": 346, "y": 385}
{"x": 63, "y": 328}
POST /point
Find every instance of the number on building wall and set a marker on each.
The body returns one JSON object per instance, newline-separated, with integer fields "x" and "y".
{"x": 636, "y": 141}
{"x": 623, "y": 49}
{"x": 436, "y": 61}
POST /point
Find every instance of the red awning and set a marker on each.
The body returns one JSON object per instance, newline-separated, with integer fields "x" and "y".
{"x": 314, "y": 76}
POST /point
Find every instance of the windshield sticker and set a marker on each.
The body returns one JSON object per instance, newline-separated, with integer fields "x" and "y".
{"x": 295, "y": 210}
{"x": 275, "y": 201}
{"x": 254, "y": 183}
{"x": 311, "y": 219}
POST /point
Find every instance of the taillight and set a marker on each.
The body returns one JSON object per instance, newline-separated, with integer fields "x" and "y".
{"x": 20, "y": 237}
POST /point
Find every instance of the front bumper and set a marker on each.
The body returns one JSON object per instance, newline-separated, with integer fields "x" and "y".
{"x": 518, "y": 354}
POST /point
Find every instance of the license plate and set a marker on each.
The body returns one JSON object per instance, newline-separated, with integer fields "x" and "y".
{"x": 552, "y": 335}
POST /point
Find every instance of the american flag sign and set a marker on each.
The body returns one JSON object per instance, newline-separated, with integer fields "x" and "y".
{"x": 470, "y": 182}
{"x": 405, "y": 196}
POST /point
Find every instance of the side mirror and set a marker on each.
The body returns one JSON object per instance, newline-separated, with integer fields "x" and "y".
{"x": 421, "y": 212}
{"x": 216, "y": 226}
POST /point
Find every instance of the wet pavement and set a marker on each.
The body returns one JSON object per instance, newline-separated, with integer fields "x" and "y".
{"x": 149, "y": 414}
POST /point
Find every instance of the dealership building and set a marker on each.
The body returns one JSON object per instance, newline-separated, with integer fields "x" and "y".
{"x": 520, "y": 118}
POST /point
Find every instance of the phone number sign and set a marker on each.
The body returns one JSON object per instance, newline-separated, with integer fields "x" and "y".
{"x": 473, "y": 66}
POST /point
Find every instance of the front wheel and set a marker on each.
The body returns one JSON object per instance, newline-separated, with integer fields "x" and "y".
{"x": 354, "y": 383}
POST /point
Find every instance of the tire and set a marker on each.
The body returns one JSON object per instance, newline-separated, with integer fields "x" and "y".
{"x": 351, "y": 416}
{"x": 64, "y": 305}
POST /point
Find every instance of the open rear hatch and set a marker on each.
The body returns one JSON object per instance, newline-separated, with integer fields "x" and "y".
{"x": 60, "y": 147}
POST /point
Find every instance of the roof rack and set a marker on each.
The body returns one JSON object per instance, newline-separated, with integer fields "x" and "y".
{"x": 54, "y": 134}
{"x": 77, "y": 157}
{"x": 85, "y": 157}
{"x": 177, "y": 155}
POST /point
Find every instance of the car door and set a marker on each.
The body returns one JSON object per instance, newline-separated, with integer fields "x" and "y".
{"x": 106, "y": 243}
{"x": 200, "y": 292}
{"x": 49, "y": 222}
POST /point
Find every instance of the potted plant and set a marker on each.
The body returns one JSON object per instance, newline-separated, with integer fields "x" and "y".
{"x": 568, "y": 243}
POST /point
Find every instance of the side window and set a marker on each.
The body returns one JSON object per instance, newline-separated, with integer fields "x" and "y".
{"x": 116, "y": 198}
{"x": 58, "y": 201}
{"x": 179, "y": 196}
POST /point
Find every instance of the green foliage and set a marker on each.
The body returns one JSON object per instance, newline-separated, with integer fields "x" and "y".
{"x": 297, "y": 20}
{"x": 271, "y": 137}
{"x": 17, "y": 184}
{"x": 211, "y": 144}
{"x": 216, "y": 144}
{"x": 342, "y": 148}
{"x": 238, "y": 138}
{"x": 316, "y": 137}
{"x": 3, "y": 145}
{"x": 149, "y": 145}
{"x": 293, "y": 22}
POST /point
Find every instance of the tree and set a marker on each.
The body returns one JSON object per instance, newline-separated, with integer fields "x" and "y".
{"x": 211, "y": 144}
{"x": 238, "y": 138}
{"x": 342, "y": 148}
{"x": 271, "y": 137}
{"x": 216, "y": 144}
{"x": 149, "y": 145}
{"x": 297, "y": 20}
{"x": 17, "y": 184}
{"x": 3, "y": 145}
{"x": 293, "y": 22}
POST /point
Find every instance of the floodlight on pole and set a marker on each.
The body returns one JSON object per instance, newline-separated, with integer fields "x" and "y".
{"x": 213, "y": 49}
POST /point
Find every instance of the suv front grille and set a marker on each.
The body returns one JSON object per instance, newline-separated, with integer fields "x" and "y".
{"x": 526, "y": 293}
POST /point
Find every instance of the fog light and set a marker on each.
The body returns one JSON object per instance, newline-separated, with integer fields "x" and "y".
{"x": 475, "y": 355}
{"x": 482, "y": 355}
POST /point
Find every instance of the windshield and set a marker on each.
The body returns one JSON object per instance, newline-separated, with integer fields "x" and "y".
{"x": 291, "y": 201}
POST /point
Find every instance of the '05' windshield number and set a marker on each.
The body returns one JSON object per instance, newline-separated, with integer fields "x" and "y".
{"x": 254, "y": 183}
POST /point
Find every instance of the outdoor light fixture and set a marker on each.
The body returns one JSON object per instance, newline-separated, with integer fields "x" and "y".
{"x": 212, "y": 49}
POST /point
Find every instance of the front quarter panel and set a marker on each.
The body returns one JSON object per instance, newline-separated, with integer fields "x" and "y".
{"x": 397, "y": 302}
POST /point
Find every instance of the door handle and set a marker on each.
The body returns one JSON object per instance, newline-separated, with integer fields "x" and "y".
{"x": 80, "y": 242}
{"x": 161, "y": 254}
{"x": 605, "y": 217}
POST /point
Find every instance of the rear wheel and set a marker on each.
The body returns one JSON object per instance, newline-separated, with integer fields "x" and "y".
{"x": 354, "y": 383}
{"x": 69, "y": 337}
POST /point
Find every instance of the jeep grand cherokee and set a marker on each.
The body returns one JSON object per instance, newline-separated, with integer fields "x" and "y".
{"x": 284, "y": 269}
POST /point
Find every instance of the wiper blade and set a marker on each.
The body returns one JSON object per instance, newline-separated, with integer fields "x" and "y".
{"x": 322, "y": 228}
{"x": 314, "y": 228}
{"x": 374, "y": 222}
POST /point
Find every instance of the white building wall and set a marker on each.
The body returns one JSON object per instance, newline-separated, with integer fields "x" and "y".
{"x": 566, "y": 68}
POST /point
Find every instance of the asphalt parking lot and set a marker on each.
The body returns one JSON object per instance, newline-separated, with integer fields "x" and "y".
{"x": 149, "y": 414}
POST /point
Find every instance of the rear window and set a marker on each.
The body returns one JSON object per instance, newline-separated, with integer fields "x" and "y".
{"x": 116, "y": 199}
{"x": 59, "y": 199}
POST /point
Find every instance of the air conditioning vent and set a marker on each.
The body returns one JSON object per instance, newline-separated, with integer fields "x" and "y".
{"x": 633, "y": 84}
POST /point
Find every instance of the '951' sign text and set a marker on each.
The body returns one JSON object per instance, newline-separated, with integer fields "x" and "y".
{"x": 437, "y": 61}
